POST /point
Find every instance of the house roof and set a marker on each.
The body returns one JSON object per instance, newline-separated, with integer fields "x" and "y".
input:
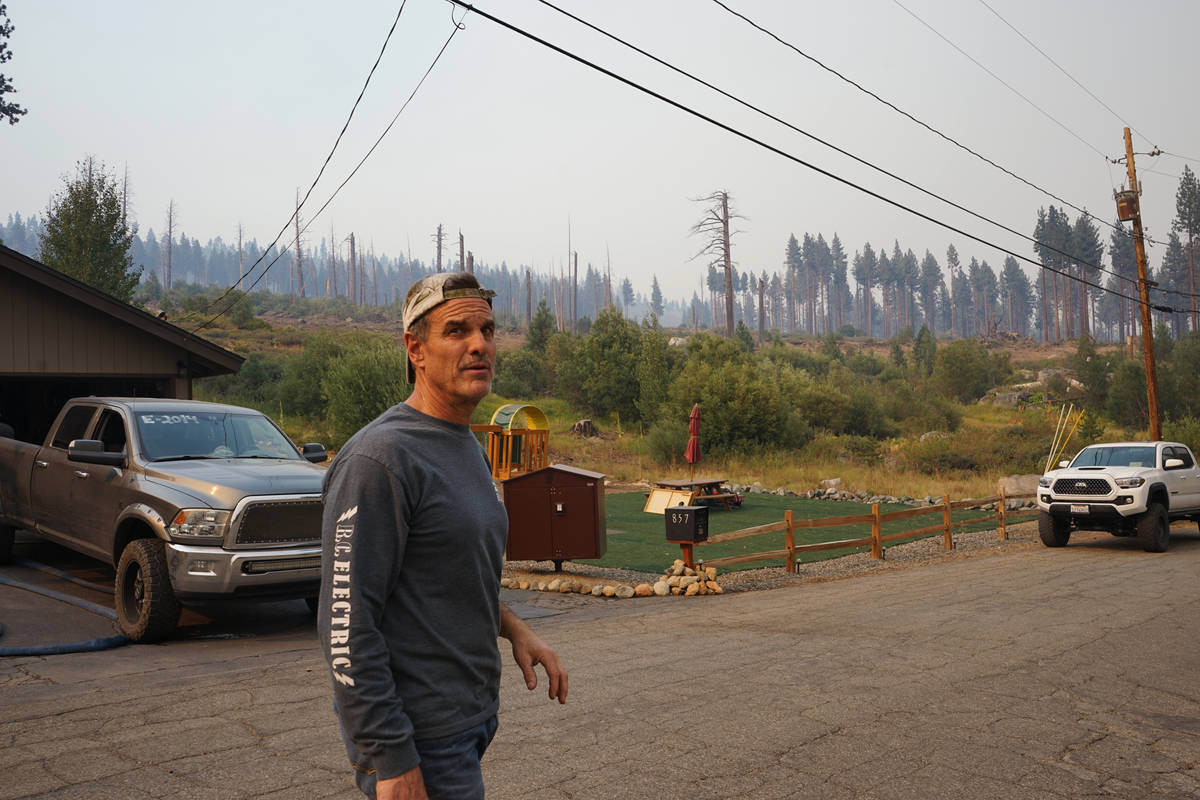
{"x": 206, "y": 359}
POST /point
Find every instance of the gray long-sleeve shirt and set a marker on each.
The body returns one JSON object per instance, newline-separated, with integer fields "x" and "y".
{"x": 413, "y": 538}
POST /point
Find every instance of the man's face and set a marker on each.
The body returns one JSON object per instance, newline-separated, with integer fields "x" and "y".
{"x": 457, "y": 356}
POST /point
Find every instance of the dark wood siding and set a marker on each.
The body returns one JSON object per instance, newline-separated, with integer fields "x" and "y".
{"x": 52, "y": 334}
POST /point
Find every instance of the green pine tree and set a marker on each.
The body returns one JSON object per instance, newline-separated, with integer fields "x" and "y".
{"x": 86, "y": 233}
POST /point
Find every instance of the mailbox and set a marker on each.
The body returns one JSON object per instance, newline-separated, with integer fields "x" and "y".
{"x": 555, "y": 514}
{"x": 686, "y": 523}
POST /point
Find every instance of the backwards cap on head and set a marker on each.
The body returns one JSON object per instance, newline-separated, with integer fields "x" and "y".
{"x": 433, "y": 290}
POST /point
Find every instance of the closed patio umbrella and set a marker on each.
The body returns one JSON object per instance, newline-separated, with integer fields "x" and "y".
{"x": 692, "y": 453}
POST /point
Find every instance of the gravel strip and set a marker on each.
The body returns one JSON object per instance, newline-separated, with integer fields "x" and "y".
{"x": 899, "y": 556}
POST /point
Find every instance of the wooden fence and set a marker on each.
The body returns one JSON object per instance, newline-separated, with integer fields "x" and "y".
{"x": 875, "y": 541}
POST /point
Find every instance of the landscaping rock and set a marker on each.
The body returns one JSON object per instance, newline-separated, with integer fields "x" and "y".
{"x": 662, "y": 589}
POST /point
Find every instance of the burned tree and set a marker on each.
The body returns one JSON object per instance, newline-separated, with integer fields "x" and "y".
{"x": 714, "y": 227}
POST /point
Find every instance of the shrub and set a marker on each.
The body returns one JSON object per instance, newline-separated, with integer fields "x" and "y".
{"x": 1127, "y": 404}
{"x": 843, "y": 449}
{"x": 1014, "y": 448}
{"x": 301, "y": 387}
{"x": 964, "y": 370}
{"x": 1185, "y": 430}
{"x": 667, "y": 439}
{"x": 521, "y": 373}
{"x": 364, "y": 382}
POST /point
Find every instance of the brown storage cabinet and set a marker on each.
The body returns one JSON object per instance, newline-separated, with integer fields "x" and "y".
{"x": 555, "y": 514}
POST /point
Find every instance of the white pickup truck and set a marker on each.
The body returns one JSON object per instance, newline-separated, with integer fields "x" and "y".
{"x": 1125, "y": 488}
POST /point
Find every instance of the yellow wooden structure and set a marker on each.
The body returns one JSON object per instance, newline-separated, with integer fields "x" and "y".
{"x": 518, "y": 440}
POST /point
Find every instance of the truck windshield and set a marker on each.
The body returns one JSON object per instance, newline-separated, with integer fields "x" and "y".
{"x": 209, "y": 434}
{"x": 1115, "y": 457}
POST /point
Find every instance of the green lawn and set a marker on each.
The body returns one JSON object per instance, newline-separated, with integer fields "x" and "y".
{"x": 637, "y": 540}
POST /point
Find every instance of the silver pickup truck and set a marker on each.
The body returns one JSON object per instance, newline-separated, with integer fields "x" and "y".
{"x": 188, "y": 500}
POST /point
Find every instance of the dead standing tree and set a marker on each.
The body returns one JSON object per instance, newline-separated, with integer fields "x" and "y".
{"x": 714, "y": 226}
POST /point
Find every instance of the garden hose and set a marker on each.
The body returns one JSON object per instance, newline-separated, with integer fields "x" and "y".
{"x": 91, "y": 645}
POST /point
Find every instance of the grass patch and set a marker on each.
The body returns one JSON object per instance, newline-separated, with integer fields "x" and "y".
{"x": 637, "y": 540}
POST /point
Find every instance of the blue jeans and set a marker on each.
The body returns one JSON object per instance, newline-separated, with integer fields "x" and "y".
{"x": 449, "y": 765}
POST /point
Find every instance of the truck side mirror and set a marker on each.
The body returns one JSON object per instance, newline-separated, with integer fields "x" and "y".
{"x": 91, "y": 451}
{"x": 1173, "y": 463}
{"x": 314, "y": 453}
{"x": 1064, "y": 464}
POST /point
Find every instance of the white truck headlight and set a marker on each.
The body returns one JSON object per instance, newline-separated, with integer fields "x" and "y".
{"x": 1044, "y": 482}
{"x": 199, "y": 523}
{"x": 1129, "y": 483}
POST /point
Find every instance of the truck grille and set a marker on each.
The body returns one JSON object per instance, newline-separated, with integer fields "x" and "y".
{"x": 1082, "y": 486}
{"x": 279, "y": 522}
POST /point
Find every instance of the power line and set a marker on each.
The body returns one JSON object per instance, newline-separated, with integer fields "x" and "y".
{"x": 1176, "y": 155}
{"x": 919, "y": 122}
{"x": 1063, "y": 71}
{"x": 457, "y": 27}
{"x": 832, "y": 146}
{"x": 771, "y": 148}
{"x": 320, "y": 172}
{"x": 1005, "y": 83}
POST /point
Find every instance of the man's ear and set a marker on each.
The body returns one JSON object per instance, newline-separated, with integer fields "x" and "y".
{"x": 416, "y": 352}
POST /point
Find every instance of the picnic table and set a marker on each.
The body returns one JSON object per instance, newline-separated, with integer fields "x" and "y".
{"x": 696, "y": 490}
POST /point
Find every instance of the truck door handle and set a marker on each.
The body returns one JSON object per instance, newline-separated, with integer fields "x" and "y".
{"x": 80, "y": 473}
{"x": 41, "y": 464}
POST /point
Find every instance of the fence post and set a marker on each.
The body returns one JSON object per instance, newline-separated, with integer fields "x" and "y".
{"x": 1003, "y": 531}
{"x": 876, "y": 525}
{"x": 946, "y": 521}
{"x": 789, "y": 541}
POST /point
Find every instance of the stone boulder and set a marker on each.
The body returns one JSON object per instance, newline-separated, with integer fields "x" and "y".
{"x": 1018, "y": 484}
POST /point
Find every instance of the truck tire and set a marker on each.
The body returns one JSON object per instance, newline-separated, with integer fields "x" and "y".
{"x": 1154, "y": 529}
{"x": 147, "y": 609}
{"x": 1054, "y": 532}
{"x": 7, "y": 534}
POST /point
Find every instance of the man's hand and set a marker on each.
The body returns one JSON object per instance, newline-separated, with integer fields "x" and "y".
{"x": 406, "y": 786}
{"x": 529, "y": 650}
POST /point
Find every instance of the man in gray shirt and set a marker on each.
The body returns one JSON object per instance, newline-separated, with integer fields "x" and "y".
{"x": 414, "y": 538}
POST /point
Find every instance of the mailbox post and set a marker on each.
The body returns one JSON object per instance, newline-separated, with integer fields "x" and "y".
{"x": 686, "y": 525}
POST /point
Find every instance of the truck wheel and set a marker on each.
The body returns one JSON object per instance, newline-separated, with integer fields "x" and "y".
{"x": 147, "y": 609}
{"x": 7, "y": 534}
{"x": 1055, "y": 532}
{"x": 1154, "y": 529}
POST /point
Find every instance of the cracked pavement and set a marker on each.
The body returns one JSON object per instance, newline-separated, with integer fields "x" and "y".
{"x": 1035, "y": 673}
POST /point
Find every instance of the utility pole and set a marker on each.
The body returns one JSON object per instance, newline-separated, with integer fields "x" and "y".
{"x": 1139, "y": 245}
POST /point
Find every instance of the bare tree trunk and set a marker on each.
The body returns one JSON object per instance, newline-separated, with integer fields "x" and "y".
{"x": 299, "y": 253}
{"x": 170, "y": 243}
{"x": 353, "y": 287}
{"x": 241, "y": 258}
{"x": 439, "y": 236}
{"x": 728, "y": 260}
{"x": 762, "y": 286}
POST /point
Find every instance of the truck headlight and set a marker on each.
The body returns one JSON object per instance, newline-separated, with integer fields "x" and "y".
{"x": 1044, "y": 482}
{"x": 1130, "y": 483}
{"x": 199, "y": 523}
